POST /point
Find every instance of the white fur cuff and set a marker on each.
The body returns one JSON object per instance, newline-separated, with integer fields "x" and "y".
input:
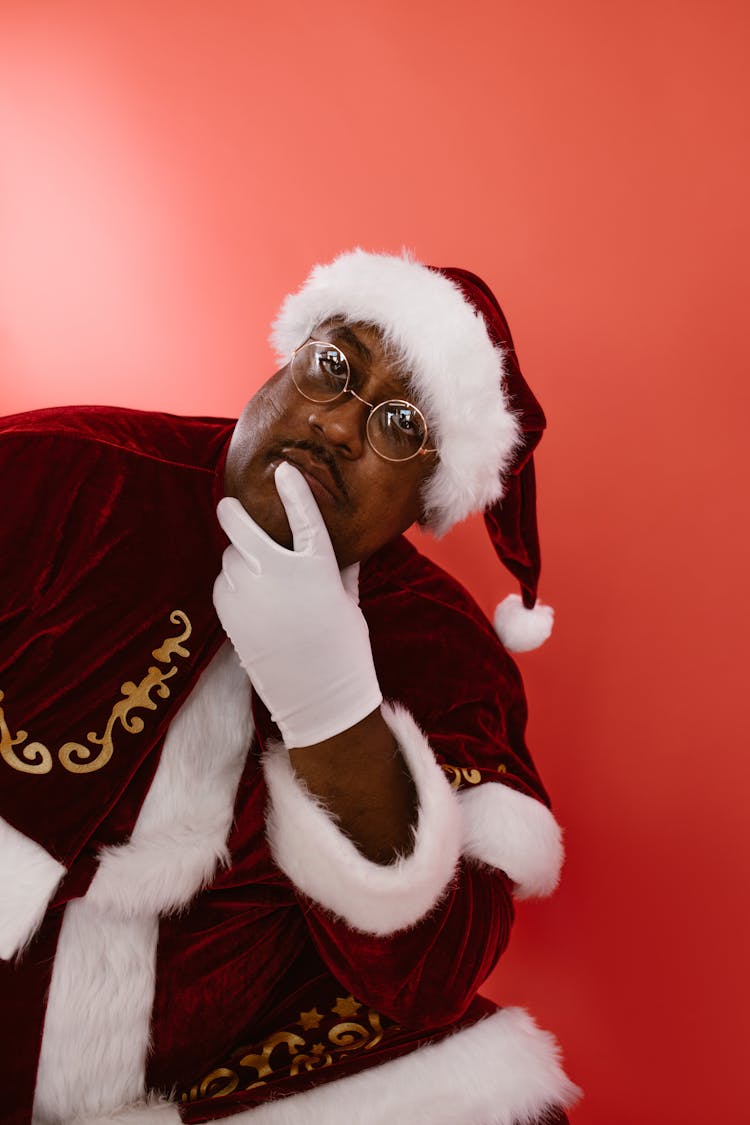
{"x": 324, "y": 864}
{"x": 28, "y": 879}
{"x": 501, "y": 1071}
{"x": 514, "y": 833}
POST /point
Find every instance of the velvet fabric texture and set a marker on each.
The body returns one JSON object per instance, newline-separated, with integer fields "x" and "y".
{"x": 83, "y": 610}
{"x": 108, "y": 556}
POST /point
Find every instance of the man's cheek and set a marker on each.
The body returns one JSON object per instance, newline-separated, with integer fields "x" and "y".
{"x": 262, "y": 503}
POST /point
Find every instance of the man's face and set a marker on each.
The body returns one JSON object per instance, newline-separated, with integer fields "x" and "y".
{"x": 365, "y": 501}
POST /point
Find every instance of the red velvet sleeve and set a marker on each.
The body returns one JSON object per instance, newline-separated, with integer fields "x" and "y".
{"x": 425, "y": 976}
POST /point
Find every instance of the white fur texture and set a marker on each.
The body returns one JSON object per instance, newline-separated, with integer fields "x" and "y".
{"x": 521, "y": 629}
{"x": 454, "y": 369}
{"x": 514, "y": 833}
{"x": 28, "y": 879}
{"x": 153, "y": 1111}
{"x": 96, "y": 1029}
{"x": 324, "y": 863}
{"x": 503, "y": 1070}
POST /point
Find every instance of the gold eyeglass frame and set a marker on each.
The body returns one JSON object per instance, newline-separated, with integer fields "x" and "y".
{"x": 347, "y": 390}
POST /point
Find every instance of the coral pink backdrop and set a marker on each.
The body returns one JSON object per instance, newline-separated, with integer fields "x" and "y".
{"x": 171, "y": 168}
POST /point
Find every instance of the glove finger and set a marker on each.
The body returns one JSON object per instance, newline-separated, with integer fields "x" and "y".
{"x": 309, "y": 532}
{"x": 222, "y": 594}
{"x": 350, "y": 581}
{"x": 235, "y": 567}
{"x": 250, "y": 540}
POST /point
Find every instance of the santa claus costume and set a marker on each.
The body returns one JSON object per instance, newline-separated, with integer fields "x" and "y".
{"x": 186, "y": 932}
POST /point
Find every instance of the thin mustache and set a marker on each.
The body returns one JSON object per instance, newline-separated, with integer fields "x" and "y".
{"x": 320, "y": 454}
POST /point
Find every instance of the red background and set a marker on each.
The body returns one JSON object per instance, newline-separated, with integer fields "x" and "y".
{"x": 171, "y": 169}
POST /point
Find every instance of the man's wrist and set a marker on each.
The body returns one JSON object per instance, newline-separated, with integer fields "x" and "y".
{"x": 362, "y": 779}
{"x": 318, "y": 720}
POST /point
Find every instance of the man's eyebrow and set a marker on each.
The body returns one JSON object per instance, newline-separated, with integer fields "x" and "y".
{"x": 345, "y": 333}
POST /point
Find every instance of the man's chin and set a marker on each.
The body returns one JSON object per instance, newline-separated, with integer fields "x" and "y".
{"x": 268, "y": 512}
{"x": 263, "y": 504}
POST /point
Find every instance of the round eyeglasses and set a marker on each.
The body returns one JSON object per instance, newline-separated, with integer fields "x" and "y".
{"x": 396, "y": 429}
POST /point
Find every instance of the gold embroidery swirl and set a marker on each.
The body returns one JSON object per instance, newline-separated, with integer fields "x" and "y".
{"x": 73, "y": 755}
{"x": 228, "y": 1082}
{"x": 262, "y": 1062}
{"x": 350, "y": 1036}
{"x": 458, "y": 774}
{"x": 287, "y": 1051}
{"x": 317, "y": 1058}
{"x": 76, "y": 757}
{"x": 35, "y": 758}
{"x": 172, "y": 646}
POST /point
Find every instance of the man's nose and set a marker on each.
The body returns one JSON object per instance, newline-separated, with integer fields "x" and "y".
{"x": 342, "y": 423}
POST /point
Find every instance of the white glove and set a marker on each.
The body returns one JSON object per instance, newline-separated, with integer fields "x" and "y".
{"x": 298, "y": 630}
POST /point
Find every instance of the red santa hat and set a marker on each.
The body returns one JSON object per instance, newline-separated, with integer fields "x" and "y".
{"x": 455, "y": 346}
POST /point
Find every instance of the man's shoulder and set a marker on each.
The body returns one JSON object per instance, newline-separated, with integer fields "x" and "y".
{"x": 88, "y": 430}
{"x": 400, "y": 575}
{"x": 432, "y": 642}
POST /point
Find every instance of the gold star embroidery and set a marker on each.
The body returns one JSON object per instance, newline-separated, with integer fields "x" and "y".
{"x": 317, "y": 1049}
{"x": 310, "y": 1019}
{"x": 346, "y": 1006}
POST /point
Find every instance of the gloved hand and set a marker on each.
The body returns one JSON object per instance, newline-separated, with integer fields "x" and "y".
{"x": 297, "y": 628}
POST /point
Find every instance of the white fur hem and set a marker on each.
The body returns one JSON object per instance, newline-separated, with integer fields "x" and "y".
{"x": 503, "y": 1070}
{"x": 447, "y": 352}
{"x": 515, "y": 833}
{"x": 155, "y": 1111}
{"x": 324, "y": 864}
{"x": 28, "y": 879}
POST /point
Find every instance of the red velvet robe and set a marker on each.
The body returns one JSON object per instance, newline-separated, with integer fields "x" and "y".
{"x": 109, "y": 549}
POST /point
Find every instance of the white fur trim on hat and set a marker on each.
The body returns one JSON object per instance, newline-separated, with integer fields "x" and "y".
{"x": 521, "y": 629}
{"x": 514, "y": 833}
{"x": 324, "y": 864}
{"x": 28, "y": 878}
{"x": 454, "y": 369}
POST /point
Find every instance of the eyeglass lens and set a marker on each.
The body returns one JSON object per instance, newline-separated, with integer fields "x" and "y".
{"x": 395, "y": 428}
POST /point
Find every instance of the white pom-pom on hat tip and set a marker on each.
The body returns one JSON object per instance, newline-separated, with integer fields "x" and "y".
{"x": 521, "y": 629}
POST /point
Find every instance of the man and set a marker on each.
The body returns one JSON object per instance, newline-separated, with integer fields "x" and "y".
{"x": 276, "y": 904}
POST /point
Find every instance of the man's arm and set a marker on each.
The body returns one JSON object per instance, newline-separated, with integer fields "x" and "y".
{"x": 361, "y": 777}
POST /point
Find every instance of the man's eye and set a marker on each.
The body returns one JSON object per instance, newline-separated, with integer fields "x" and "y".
{"x": 332, "y": 364}
{"x": 401, "y": 425}
{"x": 401, "y": 418}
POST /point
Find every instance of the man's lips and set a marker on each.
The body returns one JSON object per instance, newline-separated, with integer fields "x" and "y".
{"x": 317, "y": 469}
